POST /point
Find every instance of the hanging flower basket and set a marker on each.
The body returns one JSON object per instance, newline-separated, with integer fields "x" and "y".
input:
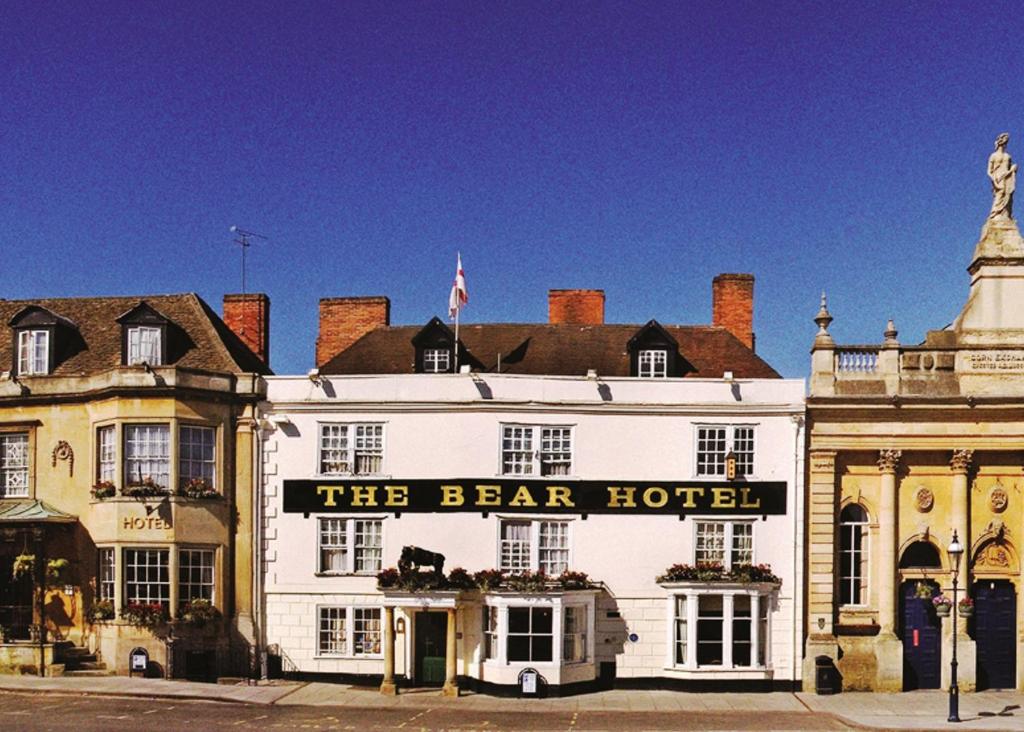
{"x": 924, "y": 591}
{"x": 942, "y": 605}
{"x": 965, "y": 607}
{"x": 23, "y": 566}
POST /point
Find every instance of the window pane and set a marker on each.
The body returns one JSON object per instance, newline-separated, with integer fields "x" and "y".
{"x": 195, "y": 575}
{"x": 542, "y": 619}
{"x": 144, "y": 346}
{"x": 33, "y": 352}
{"x": 709, "y": 630}
{"x": 490, "y": 628}
{"x": 332, "y": 631}
{"x": 743, "y": 449}
{"x": 435, "y": 360}
{"x": 368, "y": 545}
{"x": 369, "y": 448}
{"x": 366, "y": 631}
{"x": 710, "y": 543}
{"x": 105, "y": 575}
{"x": 515, "y": 545}
{"x": 334, "y": 449}
{"x": 107, "y": 458}
{"x": 741, "y": 633}
{"x": 554, "y": 547}
{"x": 146, "y": 576}
{"x": 711, "y": 450}
{"x": 147, "y": 454}
{"x": 13, "y": 464}
{"x": 681, "y": 629}
{"x": 853, "y": 558}
{"x": 519, "y": 648}
{"x": 742, "y": 543}
{"x": 517, "y": 450}
{"x": 519, "y": 620}
{"x": 197, "y": 457}
{"x": 652, "y": 364}
{"x": 574, "y": 637}
{"x": 555, "y": 451}
{"x": 332, "y": 545}
{"x": 541, "y": 648}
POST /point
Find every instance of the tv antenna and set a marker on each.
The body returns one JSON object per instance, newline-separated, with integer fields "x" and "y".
{"x": 243, "y": 242}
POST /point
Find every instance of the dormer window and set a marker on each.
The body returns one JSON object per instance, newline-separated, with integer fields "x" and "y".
{"x": 145, "y": 345}
{"x": 33, "y": 352}
{"x": 144, "y": 336}
{"x": 652, "y": 364}
{"x": 436, "y": 360}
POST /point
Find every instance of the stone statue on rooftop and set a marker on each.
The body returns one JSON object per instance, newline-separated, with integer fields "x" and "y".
{"x": 1003, "y": 174}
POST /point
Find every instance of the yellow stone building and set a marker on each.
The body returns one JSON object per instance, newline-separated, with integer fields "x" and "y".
{"x": 907, "y": 445}
{"x": 127, "y": 456}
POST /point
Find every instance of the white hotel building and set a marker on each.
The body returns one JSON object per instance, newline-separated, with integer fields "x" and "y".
{"x": 602, "y": 449}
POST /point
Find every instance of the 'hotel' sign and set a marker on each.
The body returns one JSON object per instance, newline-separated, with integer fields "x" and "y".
{"x": 473, "y": 495}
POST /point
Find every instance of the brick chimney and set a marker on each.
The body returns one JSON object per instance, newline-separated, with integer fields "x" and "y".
{"x": 344, "y": 320}
{"x": 578, "y": 307}
{"x": 732, "y": 305}
{"x": 248, "y": 316}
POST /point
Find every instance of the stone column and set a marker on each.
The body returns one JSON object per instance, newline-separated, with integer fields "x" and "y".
{"x": 822, "y": 603}
{"x": 960, "y": 465}
{"x": 888, "y": 648}
{"x": 451, "y": 684}
{"x": 387, "y": 686}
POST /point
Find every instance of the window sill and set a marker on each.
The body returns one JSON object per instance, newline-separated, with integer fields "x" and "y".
{"x": 345, "y": 574}
{"x": 751, "y": 671}
{"x": 336, "y": 476}
{"x": 348, "y": 657}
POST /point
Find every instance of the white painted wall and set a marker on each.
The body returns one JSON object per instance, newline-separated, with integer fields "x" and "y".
{"x": 448, "y": 426}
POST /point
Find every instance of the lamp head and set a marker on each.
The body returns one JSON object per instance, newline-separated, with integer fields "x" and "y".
{"x": 955, "y": 551}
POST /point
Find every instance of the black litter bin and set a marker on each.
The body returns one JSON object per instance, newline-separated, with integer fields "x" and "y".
{"x": 826, "y": 680}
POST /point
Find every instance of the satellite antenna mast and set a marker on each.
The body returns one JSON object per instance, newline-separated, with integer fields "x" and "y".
{"x": 243, "y": 242}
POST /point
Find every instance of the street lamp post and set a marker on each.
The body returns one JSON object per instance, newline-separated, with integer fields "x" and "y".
{"x": 955, "y": 551}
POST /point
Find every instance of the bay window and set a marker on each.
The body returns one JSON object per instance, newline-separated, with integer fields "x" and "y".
{"x": 719, "y": 628}
{"x": 554, "y": 629}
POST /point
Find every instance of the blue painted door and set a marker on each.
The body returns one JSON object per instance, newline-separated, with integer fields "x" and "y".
{"x": 993, "y": 629}
{"x": 922, "y": 641}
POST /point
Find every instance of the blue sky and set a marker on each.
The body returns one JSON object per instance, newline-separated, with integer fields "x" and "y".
{"x": 637, "y": 147}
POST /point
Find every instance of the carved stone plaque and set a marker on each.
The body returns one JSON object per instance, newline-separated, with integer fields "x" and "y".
{"x": 924, "y": 499}
{"x": 998, "y": 498}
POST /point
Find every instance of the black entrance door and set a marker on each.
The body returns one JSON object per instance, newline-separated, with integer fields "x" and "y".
{"x": 995, "y": 621}
{"x": 431, "y": 636}
{"x": 922, "y": 642}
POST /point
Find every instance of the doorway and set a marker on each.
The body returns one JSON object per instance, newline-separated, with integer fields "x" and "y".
{"x": 994, "y": 631}
{"x": 15, "y": 600}
{"x": 922, "y": 640}
{"x": 431, "y": 638}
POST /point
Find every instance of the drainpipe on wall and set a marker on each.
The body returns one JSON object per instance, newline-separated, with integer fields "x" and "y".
{"x": 799, "y": 422}
{"x": 259, "y": 632}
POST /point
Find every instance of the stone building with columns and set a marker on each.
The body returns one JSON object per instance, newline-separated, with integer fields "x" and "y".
{"x": 907, "y": 444}
{"x": 570, "y": 475}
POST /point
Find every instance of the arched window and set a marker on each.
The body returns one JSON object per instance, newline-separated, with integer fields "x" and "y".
{"x": 853, "y": 555}
{"x": 922, "y": 555}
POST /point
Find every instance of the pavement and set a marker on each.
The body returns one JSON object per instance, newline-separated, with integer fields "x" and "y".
{"x": 988, "y": 710}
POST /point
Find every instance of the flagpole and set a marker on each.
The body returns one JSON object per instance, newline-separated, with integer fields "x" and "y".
{"x": 457, "y": 340}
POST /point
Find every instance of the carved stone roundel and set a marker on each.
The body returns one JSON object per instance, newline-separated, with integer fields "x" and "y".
{"x": 998, "y": 499}
{"x": 924, "y": 499}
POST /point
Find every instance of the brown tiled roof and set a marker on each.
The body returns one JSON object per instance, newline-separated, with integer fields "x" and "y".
{"x": 560, "y": 350}
{"x": 210, "y": 345}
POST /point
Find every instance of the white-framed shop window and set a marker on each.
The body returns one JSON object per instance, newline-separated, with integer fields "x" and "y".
{"x": 348, "y": 631}
{"x": 350, "y": 449}
{"x": 538, "y": 630}
{"x": 347, "y": 545}
{"x": 719, "y": 629}
{"x": 716, "y": 441}
{"x": 725, "y": 543}
{"x": 536, "y": 449}
{"x": 534, "y": 544}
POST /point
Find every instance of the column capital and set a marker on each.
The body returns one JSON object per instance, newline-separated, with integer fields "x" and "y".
{"x": 888, "y": 460}
{"x": 961, "y": 461}
{"x": 823, "y": 461}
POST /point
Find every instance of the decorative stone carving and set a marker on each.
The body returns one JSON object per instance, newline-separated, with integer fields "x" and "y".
{"x": 888, "y": 460}
{"x": 993, "y": 555}
{"x": 998, "y": 498}
{"x": 63, "y": 451}
{"x": 924, "y": 499}
{"x": 961, "y": 460}
{"x": 823, "y": 461}
{"x": 1003, "y": 174}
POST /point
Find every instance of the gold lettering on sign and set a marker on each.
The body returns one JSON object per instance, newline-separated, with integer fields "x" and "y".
{"x": 141, "y": 523}
{"x": 745, "y": 501}
{"x": 723, "y": 498}
{"x": 522, "y": 498}
{"x": 559, "y": 494}
{"x": 655, "y": 497}
{"x": 451, "y": 495}
{"x": 488, "y": 495}
{"x": 331, "y": 492}
{"x": 689, "y": 493}
{"x": 397, "y": 495}
{"x": 364, "y": 495}
{"x": 619, "y": 497}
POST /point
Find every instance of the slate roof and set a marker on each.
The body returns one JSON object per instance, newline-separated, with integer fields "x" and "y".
{"x": 560, "y": 350}
{"x": 210, "y": 345}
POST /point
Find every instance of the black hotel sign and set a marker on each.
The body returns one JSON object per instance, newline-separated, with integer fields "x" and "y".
{"x": 531, "y": 496}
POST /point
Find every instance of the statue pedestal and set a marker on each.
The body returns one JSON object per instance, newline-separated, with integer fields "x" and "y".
{"x": 993, "y": 314}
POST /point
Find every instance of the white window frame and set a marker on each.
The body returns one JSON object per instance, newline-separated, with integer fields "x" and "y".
{"x": 729, "y": 538}
{"x": 533, "y": 459}
{"x": 437, "y": 360}
{"x": 351, "y": 547}
{"x": 136, "y": 336}
{"x": 652, "y": 363}
{"x": 197, "y": 466}
{"x": 536, "y": 527}
{"x": 29, "y": 362}
{"x": 20, "y": 487}
{"x": 106, "y": 453}
{"x": 151, "y": 458}
{"x": 150, "y": 596}
{"x": 865, "y": 581}
{"x": 760, "y": 627}
{"x": 203, "y": 552}
{"x": 349, "y": 615}
{"x": 106, "y": 573}
{"x": 731, "y": 440}
{"x": 557, "y": 603}
{"x": 352, "y": 450}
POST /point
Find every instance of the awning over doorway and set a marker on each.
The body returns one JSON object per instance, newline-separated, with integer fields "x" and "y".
{"x": 33, "y": 512}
